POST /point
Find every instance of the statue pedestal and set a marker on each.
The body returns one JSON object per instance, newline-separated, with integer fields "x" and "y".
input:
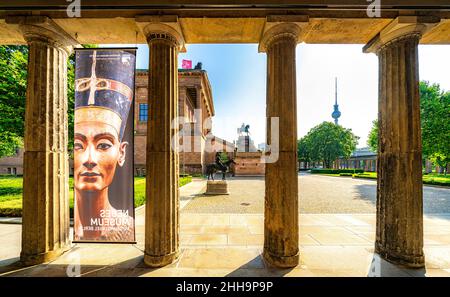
{"x": 217, "y": 187}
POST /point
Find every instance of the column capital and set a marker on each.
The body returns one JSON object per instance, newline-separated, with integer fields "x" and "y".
{"x": 43, "y": 29}
{"x": 162, "y": 28}
{"x": 401, "y": 27}
{"x": 279, "y": 26}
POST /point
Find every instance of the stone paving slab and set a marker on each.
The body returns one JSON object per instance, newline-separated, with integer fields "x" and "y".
{"x": 317, "y": 194}
{"x": 230, "y": 244}
{"x": 330, "y": 245}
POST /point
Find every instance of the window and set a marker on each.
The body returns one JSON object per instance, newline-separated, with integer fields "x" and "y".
{"x": 143, "y": 112}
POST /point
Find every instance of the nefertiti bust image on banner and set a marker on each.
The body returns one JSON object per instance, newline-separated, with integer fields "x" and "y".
{"x": 103, "y": 145}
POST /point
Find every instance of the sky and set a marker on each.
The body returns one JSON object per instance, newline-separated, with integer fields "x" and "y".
{"x": 237, "y": 73}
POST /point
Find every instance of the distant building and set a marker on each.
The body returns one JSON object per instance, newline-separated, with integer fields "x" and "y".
{"x": 12, "y": 165}
{"x": 362, "y": 158}
{"x": 194, "y": 94}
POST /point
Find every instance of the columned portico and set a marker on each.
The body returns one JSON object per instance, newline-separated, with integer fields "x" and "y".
{"x": 281, "y": 247}
{"x": 45, "y": 227}
{"x": 399, "y": 226}
{"x": 162, "y": 205}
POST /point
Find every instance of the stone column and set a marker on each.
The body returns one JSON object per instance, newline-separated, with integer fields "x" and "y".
{"x": 162, "y": 206}
{"x": 45, "y": 226}
{"x": 281, "y": 229}
{"x": 399, "y": 226}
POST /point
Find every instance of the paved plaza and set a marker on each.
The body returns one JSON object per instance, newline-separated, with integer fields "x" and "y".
{"x": 317, "y": 194}
{"x": 230, "y": 243}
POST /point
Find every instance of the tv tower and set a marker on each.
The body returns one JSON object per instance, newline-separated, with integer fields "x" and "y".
{"x": 336, "y": 113}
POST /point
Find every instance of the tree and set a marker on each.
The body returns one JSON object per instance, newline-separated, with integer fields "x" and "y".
{"x": 327, "y": 142}
{"x": 303, "y": 153}
{"x": 435, "y": 124}
{"x": 13, "y": 86}
{"x": 372, "y": 139}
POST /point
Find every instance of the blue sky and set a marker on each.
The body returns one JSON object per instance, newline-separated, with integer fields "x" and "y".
{"x": 237, "y": 73}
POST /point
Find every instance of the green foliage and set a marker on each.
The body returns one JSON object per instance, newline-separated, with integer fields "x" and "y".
{"x": 184, "y": 180}
{"x": 327, "y": 142}
{"x": 436, "y": 179}
{"x": 303, "y": 145}
{"x": 435, "y": 124}
{"x": 346, "y": 174}
{"x": 428, "y": 179}
{"x": 13, "y": 86}
{"x": 372, "y": 139}
{"x": 367, "y": 175}
{"x": 9, "y": 142}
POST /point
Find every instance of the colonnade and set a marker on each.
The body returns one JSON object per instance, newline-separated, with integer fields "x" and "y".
{"x": 399, "y": 227}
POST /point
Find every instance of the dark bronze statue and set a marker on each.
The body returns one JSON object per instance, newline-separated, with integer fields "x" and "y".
{"x": 211, "y": 169}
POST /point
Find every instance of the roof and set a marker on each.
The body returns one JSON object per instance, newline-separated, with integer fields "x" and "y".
{"x": 363, "y": 152}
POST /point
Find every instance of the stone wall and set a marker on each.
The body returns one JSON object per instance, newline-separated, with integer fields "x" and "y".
{"x": 12, "y": 165}
{"x": 249, "y": 163}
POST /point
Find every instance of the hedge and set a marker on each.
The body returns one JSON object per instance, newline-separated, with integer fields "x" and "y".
{"x": 336, "y": 171}
{"x": 346, "y": 174}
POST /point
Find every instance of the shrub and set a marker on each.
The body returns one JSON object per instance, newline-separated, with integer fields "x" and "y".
{"x": 367, "y": 175}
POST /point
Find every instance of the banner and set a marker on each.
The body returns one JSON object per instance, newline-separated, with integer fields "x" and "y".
{"x": 103, "y": 145}
{"x": 186, "y": 64}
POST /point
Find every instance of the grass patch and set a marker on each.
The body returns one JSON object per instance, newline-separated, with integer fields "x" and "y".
{"x": 11, "y": 194}
{"x": 436, "y": 179}
{"x": 428, "y": 179}
{"x": 368, "y": 175}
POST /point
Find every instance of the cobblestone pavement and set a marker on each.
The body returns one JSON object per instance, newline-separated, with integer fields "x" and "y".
{"x": 317, "y": 194}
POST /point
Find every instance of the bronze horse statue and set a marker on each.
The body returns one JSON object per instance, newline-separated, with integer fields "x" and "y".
{"x": 211, "y": 169}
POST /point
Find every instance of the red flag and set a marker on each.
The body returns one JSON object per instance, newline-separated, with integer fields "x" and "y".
{"x": 186, "y": 64}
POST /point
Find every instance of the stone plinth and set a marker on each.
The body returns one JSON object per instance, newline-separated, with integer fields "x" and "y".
{"x": 249, "y": 164}
{"x": 217, "y": 187}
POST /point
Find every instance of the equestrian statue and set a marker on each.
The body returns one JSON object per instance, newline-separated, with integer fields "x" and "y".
{"x": 224, "y": 167}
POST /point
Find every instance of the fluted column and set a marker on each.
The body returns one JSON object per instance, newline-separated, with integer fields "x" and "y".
{"x": 45, "y": 225}
{"x": 281, "y": 247}
{"x": 162, "y": 205}
{"x": 399, "y": 225}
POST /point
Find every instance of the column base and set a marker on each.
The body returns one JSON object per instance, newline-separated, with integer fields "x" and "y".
{"x": 160, "y": 261}
{"x": 35, "y": 259}
{"x": 281, "y": 261}
{"x": 409, "y": 261}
